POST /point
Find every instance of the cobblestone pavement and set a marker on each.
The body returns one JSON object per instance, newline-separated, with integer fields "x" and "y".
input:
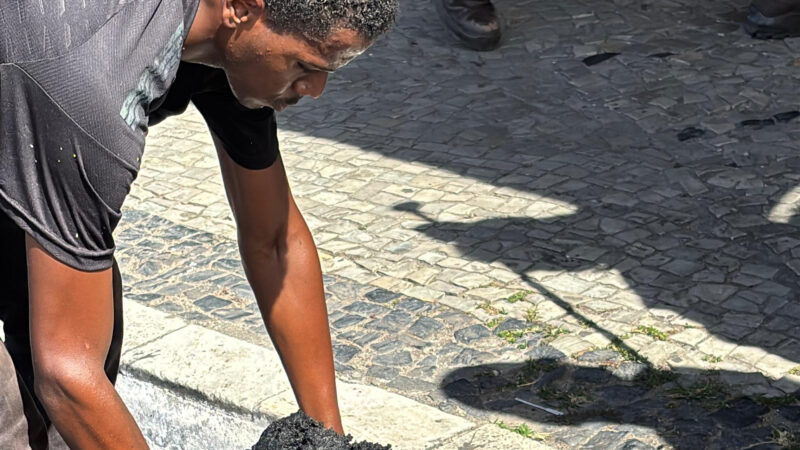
{"x": 601, "y": 217}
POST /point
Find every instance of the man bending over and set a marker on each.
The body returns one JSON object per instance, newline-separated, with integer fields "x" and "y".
{"x": 80, "y": 82}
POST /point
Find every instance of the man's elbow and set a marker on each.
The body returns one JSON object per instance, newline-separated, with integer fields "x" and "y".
{"x": 62, "y": 379}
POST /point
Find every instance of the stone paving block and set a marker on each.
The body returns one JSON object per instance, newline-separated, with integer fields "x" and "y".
{"x": 376, "y": 415}
{"x": 776, "y": 366}
{"x": 715, "y": 346}
{"x": 567, "y": 283}
{"x": 491, "y": 437}
{"x": 143, "y": 325}
{"x": 226, "y": 370}
{"x": 211, "y": 302}
{"x": 547, "y": 311}
{"x": 423, "y": 293}
{"x": 789, "y": 384}
{"x": 690, "y": 336}
{"x": 571, "y": 345}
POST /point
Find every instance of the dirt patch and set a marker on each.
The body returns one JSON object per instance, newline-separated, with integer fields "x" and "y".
{"x": 298, "y": 431}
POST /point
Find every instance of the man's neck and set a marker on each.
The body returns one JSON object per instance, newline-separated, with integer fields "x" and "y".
{"x": 200, "y": 44}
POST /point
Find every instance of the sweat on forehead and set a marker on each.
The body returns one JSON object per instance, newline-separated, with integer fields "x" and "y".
{"x": 341, "y": 47}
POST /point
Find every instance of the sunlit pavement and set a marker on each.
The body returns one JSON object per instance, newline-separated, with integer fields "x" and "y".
{"x": 600, "y": 218}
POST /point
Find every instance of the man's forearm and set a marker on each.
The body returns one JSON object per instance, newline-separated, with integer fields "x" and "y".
{"x": 71, "y": 317}
{"x": 287, "y": 281}
{"x": 90, "y": 415}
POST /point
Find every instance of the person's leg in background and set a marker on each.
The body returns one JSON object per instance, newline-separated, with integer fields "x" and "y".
{"x": 773, "y": 19}
{"x": 15, "y": 434}
{"x": 15, "y": 317}
{"x": 476, "y": 23}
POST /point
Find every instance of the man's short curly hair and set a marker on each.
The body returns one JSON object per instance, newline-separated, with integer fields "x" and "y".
{"x": 315, "y": 19}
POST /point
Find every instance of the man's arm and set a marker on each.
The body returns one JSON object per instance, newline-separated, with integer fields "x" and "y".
{"x": 282, "y": 265}
{"x": 71, "y": 318}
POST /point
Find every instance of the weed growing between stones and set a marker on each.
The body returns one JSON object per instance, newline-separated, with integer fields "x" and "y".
{"x": 653, "y": 332}
{"x": 786, "y": 439}
{"x": 549, "y": 333}
{"x": 494, "y": 322}
{"x": 511, "y": 336}
{"x": 522, "y": 430}
{"x": 486, "y": 306}
{"x": 567, "y": 399}
{"x": 531, "y": 371}
{"x": 657, "y": 377}
{"x": 517, "y": 296}
{"x": 784, "y": 400}
{"x": 531, "y": 315}
{"x": 628, "y": 355}
{"x": 300, "y": 432}
{"x": 708, "y": 393}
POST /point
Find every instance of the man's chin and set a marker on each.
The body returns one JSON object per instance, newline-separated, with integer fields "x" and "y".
{"x": 255, "y": 103}
{"x": 277, "y": 104}
{"x": 250, "y": 103}
{"x": 280, "y": 104}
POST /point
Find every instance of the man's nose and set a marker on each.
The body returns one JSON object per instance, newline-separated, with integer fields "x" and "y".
{"x": 311, "y": 84}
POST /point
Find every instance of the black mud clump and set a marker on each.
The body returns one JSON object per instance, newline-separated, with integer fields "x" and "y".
{"x": 690, "y": 133}
{"x": 300, "y": 432}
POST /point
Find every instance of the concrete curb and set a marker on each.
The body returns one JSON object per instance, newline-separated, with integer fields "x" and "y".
{"x": 244, "y": 377}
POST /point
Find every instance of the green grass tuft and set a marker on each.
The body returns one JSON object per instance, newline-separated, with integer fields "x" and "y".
{"x": 511, "y": 336}
{"x": 657, "y": 377}
{"x": 522, "y": 430}
{"x": 551, "y": 332}
{"x": 626, "y": 353}
{"x": 517, "y": 296}
{"x": 486, "y": 306}
{"x": 494, "y": 322}
{"x": 709, "y": 393}
{"x": 652, "y": 332}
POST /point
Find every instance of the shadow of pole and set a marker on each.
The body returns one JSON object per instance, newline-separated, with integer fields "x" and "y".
{"x": 413, "y": 207}
{"x": 688, "y": 408}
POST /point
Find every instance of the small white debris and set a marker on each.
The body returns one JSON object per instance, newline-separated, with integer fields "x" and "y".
{"x": 552, "y": 411}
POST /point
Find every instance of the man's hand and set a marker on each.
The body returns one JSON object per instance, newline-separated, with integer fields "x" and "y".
{"x": 282, "y": 266}
{"x": 71, "y": 320}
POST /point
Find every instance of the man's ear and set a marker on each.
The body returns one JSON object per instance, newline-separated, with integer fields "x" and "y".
{"x": 236, "y": 12}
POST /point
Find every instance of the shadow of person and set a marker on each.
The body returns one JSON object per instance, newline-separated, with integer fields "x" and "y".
{"x": 688, "y": 408}
{"x": 690, "y": 281}
{"x": 680, "y": 224}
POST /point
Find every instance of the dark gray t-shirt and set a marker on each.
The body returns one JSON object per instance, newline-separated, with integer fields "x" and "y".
{"x": 79, "y": 82}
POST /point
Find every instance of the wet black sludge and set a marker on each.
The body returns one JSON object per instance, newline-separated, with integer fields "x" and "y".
{"x": 300, "y": 432}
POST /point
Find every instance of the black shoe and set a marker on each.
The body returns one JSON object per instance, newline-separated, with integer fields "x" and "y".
{"x": 773, "y": 19}
{"x": 474, "y": 22}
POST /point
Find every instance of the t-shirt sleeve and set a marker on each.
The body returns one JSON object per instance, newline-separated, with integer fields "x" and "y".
{"x": 250, "y": 136}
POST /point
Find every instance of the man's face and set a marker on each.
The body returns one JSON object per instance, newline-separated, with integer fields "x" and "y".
{"x": 265, "y": 68}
